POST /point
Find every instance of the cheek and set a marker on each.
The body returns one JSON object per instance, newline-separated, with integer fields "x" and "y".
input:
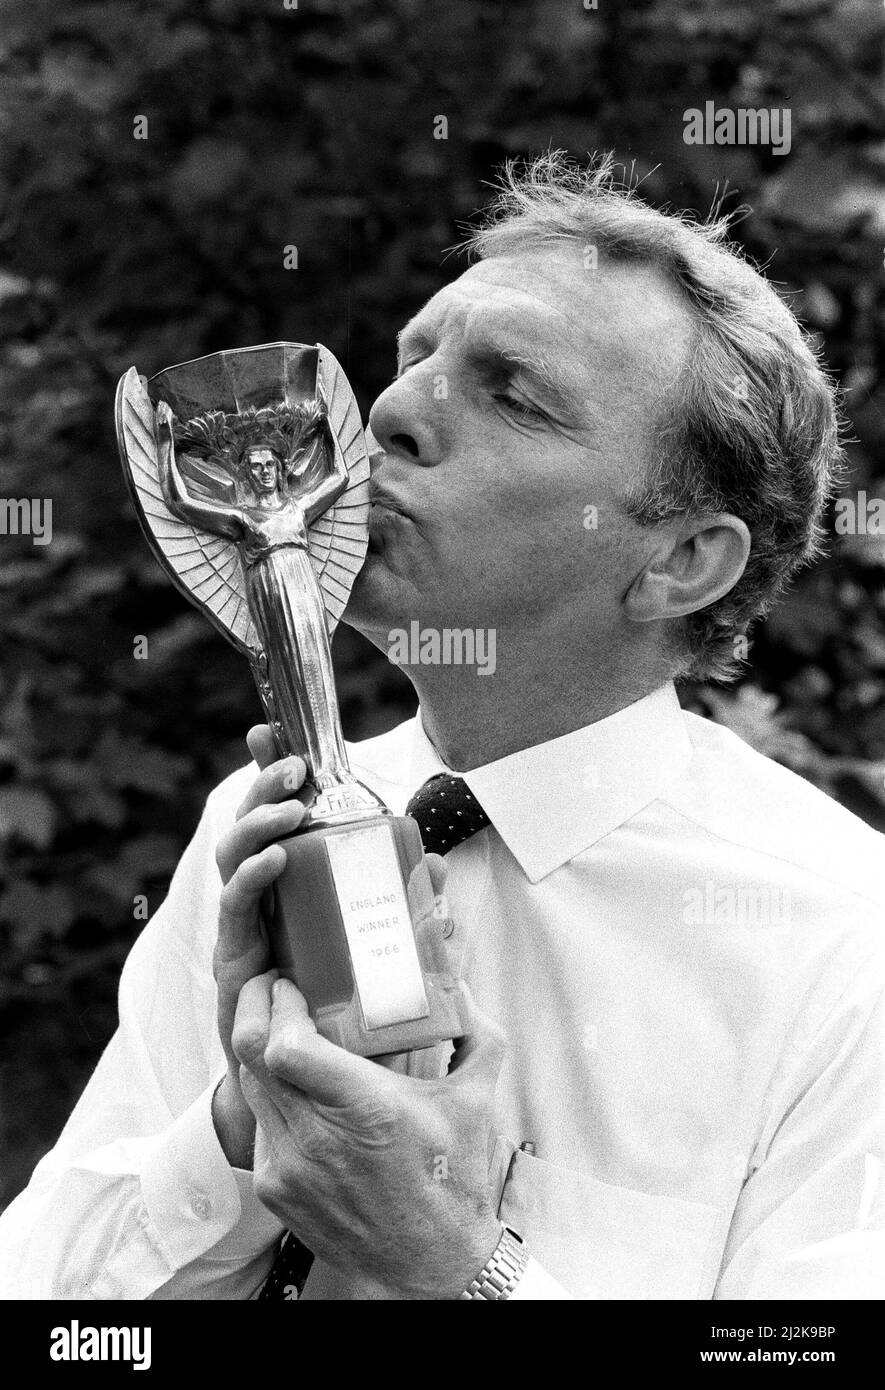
{"x": 548, "y": 558}
{"x": 485, "y": 566}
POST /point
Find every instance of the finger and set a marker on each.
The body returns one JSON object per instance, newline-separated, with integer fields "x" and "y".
{"x": 250, "y": 1037}
{"x": 437, "y": 867}
{"x": 254, "y": 831}
{"x": 478, "y": 1055}
{"x": 273, "y": 1134}
{"x": 276, "y": 782}
{"x": 251, "y": 1029}
{"x": 262, "y": 745}
{"x": 263, "y": 1107}
{"x": 241, "y": 897}
{"x": 298, "y": 1054}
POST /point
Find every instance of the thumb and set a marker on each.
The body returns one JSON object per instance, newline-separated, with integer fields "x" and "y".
{"x": 478, "y": 1055}
{"x": 298, "y": 1054}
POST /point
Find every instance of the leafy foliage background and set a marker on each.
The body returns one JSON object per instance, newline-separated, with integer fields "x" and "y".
{"x": 270, "y": 127}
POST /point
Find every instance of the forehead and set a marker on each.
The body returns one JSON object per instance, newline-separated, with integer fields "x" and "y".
{"x": 618, "y": 318}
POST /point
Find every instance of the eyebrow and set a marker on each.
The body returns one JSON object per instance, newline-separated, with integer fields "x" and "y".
{"x": 496, "y": 353}
{"x": 538, "y": 367}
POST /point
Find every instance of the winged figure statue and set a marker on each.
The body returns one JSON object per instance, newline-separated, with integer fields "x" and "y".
{"x": 250, "y": 475}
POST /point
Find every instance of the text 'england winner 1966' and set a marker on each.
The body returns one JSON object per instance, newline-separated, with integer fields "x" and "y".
{"x": 376, "y": 920}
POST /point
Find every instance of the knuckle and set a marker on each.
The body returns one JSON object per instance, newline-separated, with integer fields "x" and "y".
{"x": 385, "y": 1114}
{"x": 227, "y": 972}
{"x": 265, "y": 1187}
{"x": 270, "y": 1186}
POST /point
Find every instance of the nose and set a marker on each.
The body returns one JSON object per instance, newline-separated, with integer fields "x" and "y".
{"x": 403, "y": 419}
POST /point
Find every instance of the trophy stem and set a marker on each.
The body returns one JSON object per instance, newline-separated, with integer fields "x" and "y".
{"x": 297, "y": 685}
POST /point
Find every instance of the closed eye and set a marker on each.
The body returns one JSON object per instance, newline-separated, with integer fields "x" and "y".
{"x": 404, "y": 367}
{"x": 519, "y": 408}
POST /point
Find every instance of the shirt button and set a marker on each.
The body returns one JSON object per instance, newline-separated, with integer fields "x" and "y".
{"x": 201, "y": 1206}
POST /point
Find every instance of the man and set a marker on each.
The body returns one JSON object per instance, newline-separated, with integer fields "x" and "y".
{"x": 608, "y": 443}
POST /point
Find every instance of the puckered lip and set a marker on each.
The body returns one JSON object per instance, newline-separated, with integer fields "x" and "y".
{"x": 380, "y": 497}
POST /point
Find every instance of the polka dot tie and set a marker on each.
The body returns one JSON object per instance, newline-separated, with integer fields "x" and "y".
{"x": 447, "y": 813}
{"x": 289, "y": 1272}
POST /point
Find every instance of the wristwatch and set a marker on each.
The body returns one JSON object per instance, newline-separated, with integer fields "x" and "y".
{"x": 502, "y": 1272}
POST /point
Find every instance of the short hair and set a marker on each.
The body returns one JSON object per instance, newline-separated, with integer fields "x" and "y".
{"x": 753, "y": 428}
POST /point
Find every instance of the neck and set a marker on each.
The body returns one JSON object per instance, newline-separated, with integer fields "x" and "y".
{"x": 472, "y": 720}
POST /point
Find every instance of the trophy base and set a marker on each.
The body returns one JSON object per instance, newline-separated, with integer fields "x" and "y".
{"x": 342, "y": 930}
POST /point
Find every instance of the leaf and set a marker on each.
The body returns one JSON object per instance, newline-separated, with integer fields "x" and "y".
{"x": 27, "y": 814}
{"x": 148, "y": 858}
{"x": 34, "y": 909}
{"x": 751, "y": 713}
{"x": 127, "y": 762}
{"x": 11, "y": 286}
{"x": 86, "y": 799}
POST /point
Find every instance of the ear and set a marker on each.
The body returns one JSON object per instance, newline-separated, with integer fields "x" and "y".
{"x": 698, "y": 565}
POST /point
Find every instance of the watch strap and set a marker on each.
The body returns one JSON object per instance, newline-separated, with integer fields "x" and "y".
{"x": 502, "y": 1272}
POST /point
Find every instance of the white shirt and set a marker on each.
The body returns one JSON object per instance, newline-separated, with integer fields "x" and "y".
{"x": 684, "y": 944}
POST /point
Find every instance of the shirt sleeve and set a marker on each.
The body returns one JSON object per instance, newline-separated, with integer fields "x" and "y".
{"x": 810, "y": 1222}
{"x": 137, "y": 1200}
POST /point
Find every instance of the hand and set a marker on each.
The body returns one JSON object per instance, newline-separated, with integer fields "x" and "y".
{"x": 249, "y": 861}
{"x": 379, "y": 1174}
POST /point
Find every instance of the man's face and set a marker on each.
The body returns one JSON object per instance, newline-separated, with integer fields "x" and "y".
{"x": 527, "y": 395}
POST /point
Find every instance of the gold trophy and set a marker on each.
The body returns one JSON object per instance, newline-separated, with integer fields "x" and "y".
{"x": 249, "y": 473}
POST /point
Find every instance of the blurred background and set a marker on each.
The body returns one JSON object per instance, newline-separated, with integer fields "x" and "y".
{"x": 269, "y": 127}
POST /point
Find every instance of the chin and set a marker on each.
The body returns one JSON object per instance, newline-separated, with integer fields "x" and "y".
{"x": 372, "y": 607}
{"x": 382, "y": 600}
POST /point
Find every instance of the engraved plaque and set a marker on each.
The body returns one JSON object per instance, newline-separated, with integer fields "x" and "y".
{"x": 378, "y": 926}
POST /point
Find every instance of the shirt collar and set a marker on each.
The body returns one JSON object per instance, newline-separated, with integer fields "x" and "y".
{"x": 556, "y": 799}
